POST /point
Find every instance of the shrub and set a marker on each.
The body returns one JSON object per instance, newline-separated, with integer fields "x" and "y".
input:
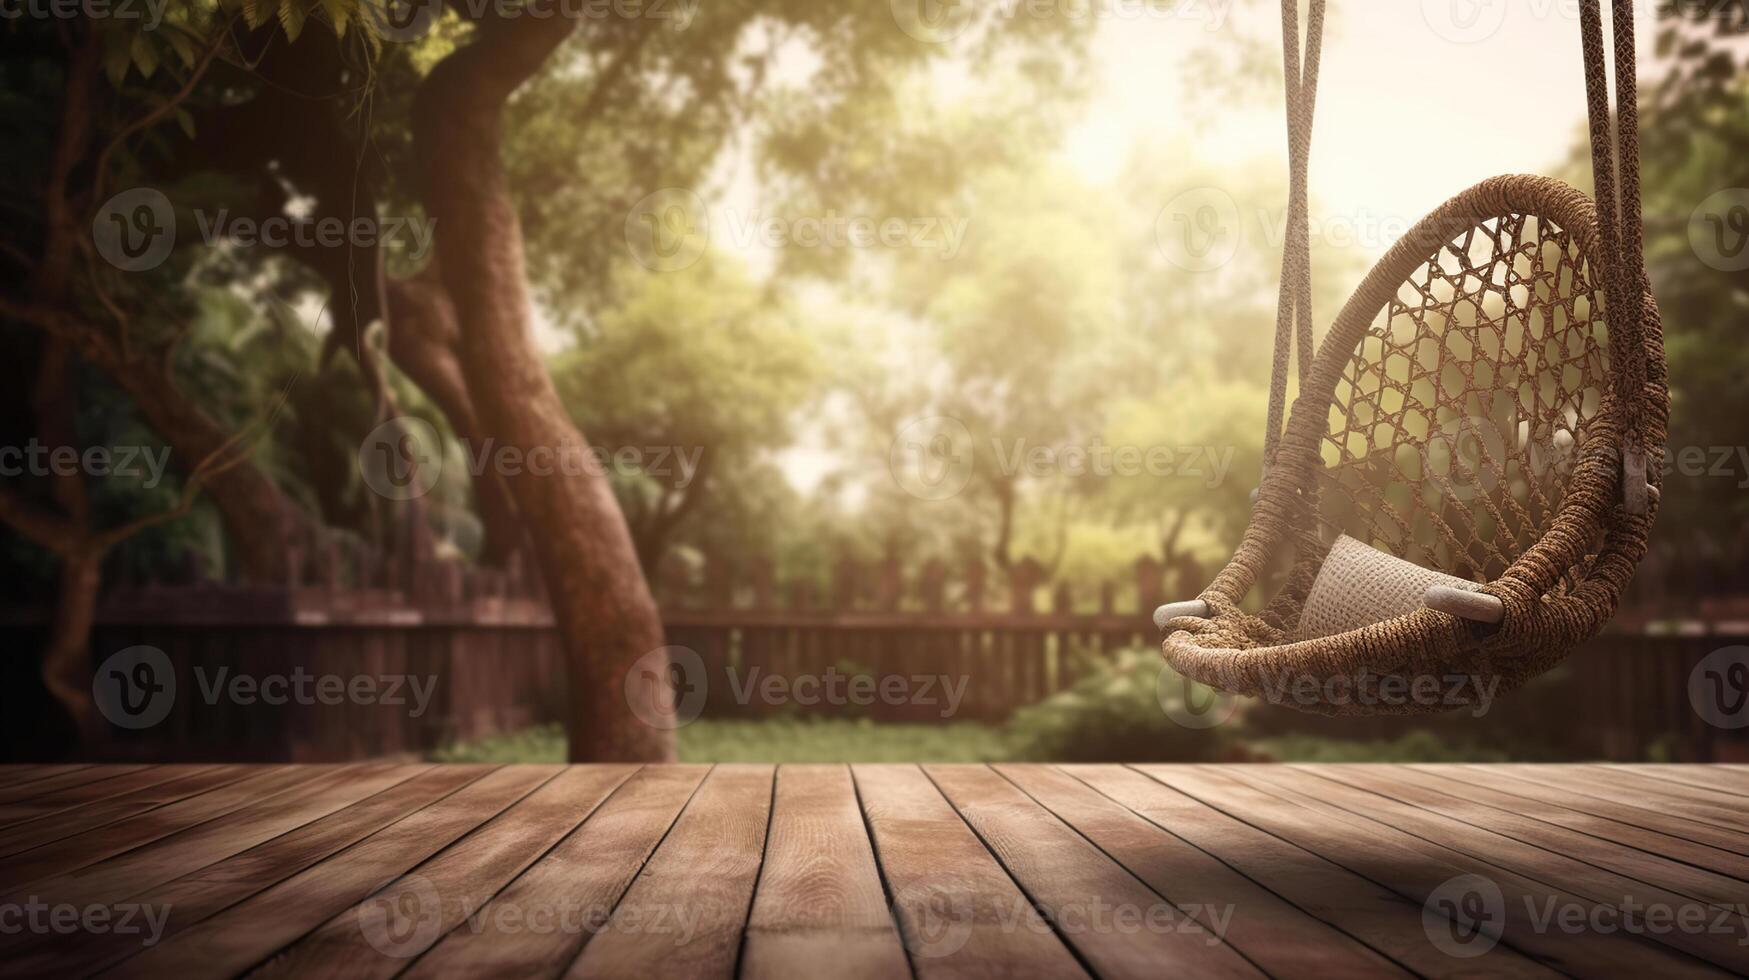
{"x": 1124, "y": 712}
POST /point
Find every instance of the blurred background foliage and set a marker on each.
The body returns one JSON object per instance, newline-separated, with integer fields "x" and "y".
{"x": 1057, "y": 320}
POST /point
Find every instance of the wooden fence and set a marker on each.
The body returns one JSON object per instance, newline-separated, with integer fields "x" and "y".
{"x": 480, "y": 649}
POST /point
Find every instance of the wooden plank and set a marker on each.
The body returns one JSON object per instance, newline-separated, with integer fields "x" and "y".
{"x": 1712, "y": 816}
{"x": 1721, "y": 778}
{"x": 538, "y": 925}
{"x": 1713, "y": 803}
{"x": 1539, "y": 788}
{"x": 684, "y": 914}
{"x": 86, "y": 816}
{"x": 251, "y": 931}
{"x": 819, "y": 898}
{"x": 1118, "y": 925}
{"x": 960, "y": 915}
{"x": 1281, "y": 939}
{"x": 33, "y": 807}
{"x": 17, "y": 774}
{"x": 1418, "y": 870}
{"x": 376, "y": 938}
{"x": 1634, "y": 845}
{"x": 77, "y": 776}
{"x": 82, "y": 850}
{"x": 169, "y": 858}
{"x": 1557, "y": 860}
{"x": 195, "y": 897}
{"x": 1360, "y": 907}
{"x": 48, "y": 804}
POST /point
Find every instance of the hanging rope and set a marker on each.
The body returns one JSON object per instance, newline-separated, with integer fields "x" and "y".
{"x": 1615, "y": 163}
{"x": 1293, "y": 316}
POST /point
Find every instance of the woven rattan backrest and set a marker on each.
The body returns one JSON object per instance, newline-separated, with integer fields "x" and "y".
{"x": 1458, "y": 417}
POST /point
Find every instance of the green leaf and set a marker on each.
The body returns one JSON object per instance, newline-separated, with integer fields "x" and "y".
{"x": 183, "y": 44}
{"x": 291, "y": 17}
{"x": 144, "y": 55}
{"x": 337, "y": 15}
{"x": 115, "y": 63}
{"x": 186, "y": 120}
{"x": 256, "y": 12}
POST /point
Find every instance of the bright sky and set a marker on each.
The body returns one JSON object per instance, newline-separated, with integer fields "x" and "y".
{"x": 1406, "y": 116}
{"x": 1418, "y": 99}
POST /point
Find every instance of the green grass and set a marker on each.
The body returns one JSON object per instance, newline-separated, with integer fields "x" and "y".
{"x": 839, "y": 740}
{"x": 1416, "y": 746}
{"x": 777, "y": 740}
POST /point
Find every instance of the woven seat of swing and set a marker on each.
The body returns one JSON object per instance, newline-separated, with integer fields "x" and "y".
{"x": 1460, "y": 415}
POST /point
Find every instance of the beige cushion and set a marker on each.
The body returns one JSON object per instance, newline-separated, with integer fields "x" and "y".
{"x": 1359, "y": 585}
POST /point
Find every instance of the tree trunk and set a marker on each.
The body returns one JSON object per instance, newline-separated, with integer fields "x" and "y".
{"x": 423, "y": 344}
{"x": 66, "y": 662}
{"x": 606, "y": 616}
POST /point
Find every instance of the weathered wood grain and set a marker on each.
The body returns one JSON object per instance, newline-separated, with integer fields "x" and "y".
{"x": 685, "y": 914}
{"x": 819, "y": 898}
{"x": 939, "y": 872}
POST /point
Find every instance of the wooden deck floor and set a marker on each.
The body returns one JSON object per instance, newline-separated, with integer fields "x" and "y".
{"x": 874, "y": 871}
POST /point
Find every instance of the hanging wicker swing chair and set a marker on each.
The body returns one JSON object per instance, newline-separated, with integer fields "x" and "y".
{"x": 1470, "y": 468}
